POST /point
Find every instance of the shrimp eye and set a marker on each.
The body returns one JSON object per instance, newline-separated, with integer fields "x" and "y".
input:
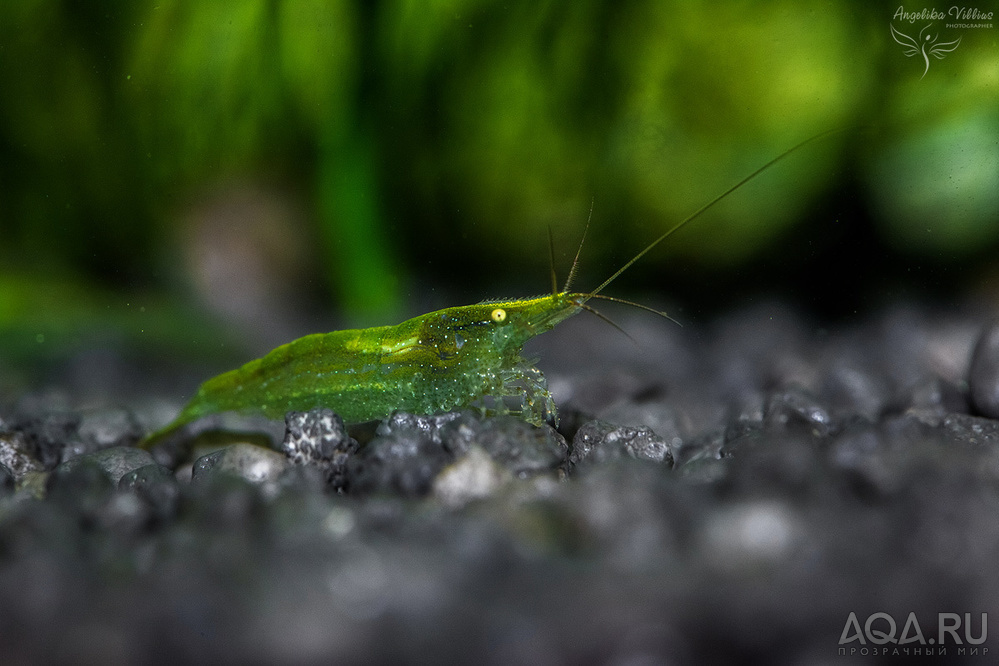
{"x": 498, "y": 315}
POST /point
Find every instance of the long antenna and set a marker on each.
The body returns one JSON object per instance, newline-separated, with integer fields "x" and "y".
{"x": 614, "y": 299}
{"x": 551, "y": 260}
{"x": 579, "y": 250}
{"x": 593, "y": 310}
{"x": 679, "y": 225}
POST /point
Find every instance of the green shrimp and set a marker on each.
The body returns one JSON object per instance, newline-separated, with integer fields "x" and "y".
{"x": 434, "y": 363}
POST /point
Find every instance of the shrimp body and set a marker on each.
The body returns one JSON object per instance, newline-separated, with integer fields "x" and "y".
{"x": 430, "y": 364}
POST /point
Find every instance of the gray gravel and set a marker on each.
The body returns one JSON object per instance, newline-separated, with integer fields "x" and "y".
{"x": 723, "y": 493}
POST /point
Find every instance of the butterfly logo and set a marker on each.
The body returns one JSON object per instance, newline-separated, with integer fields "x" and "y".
{"x": 926, "y": 45}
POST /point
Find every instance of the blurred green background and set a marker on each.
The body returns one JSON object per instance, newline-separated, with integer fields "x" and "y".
{"x": 211, "y": 178}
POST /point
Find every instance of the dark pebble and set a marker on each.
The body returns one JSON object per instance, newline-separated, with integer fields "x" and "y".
{"x": 253, "y": 463}
{"x": 972, "y": 431}
{"x": 522, "y": 448}
{"x": 49, "y": 435}
{"x": 598, "y": 442}
{"x": 794, "y": 406}
{"x": 318, "y": 438}
{"x": 156, "y": 485}
{"x": 400, "y": 462}
{"x": 983, "y": 376}
{"x": 116, "y": 462}
{"x": 16, "y": 455}
{"x": 106, "y": 428}
{"x": 205, "y": 465}
{"x": 660, "y": 416}
{"x": 427, "y": 426}
{"x": 474, "y": 476}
